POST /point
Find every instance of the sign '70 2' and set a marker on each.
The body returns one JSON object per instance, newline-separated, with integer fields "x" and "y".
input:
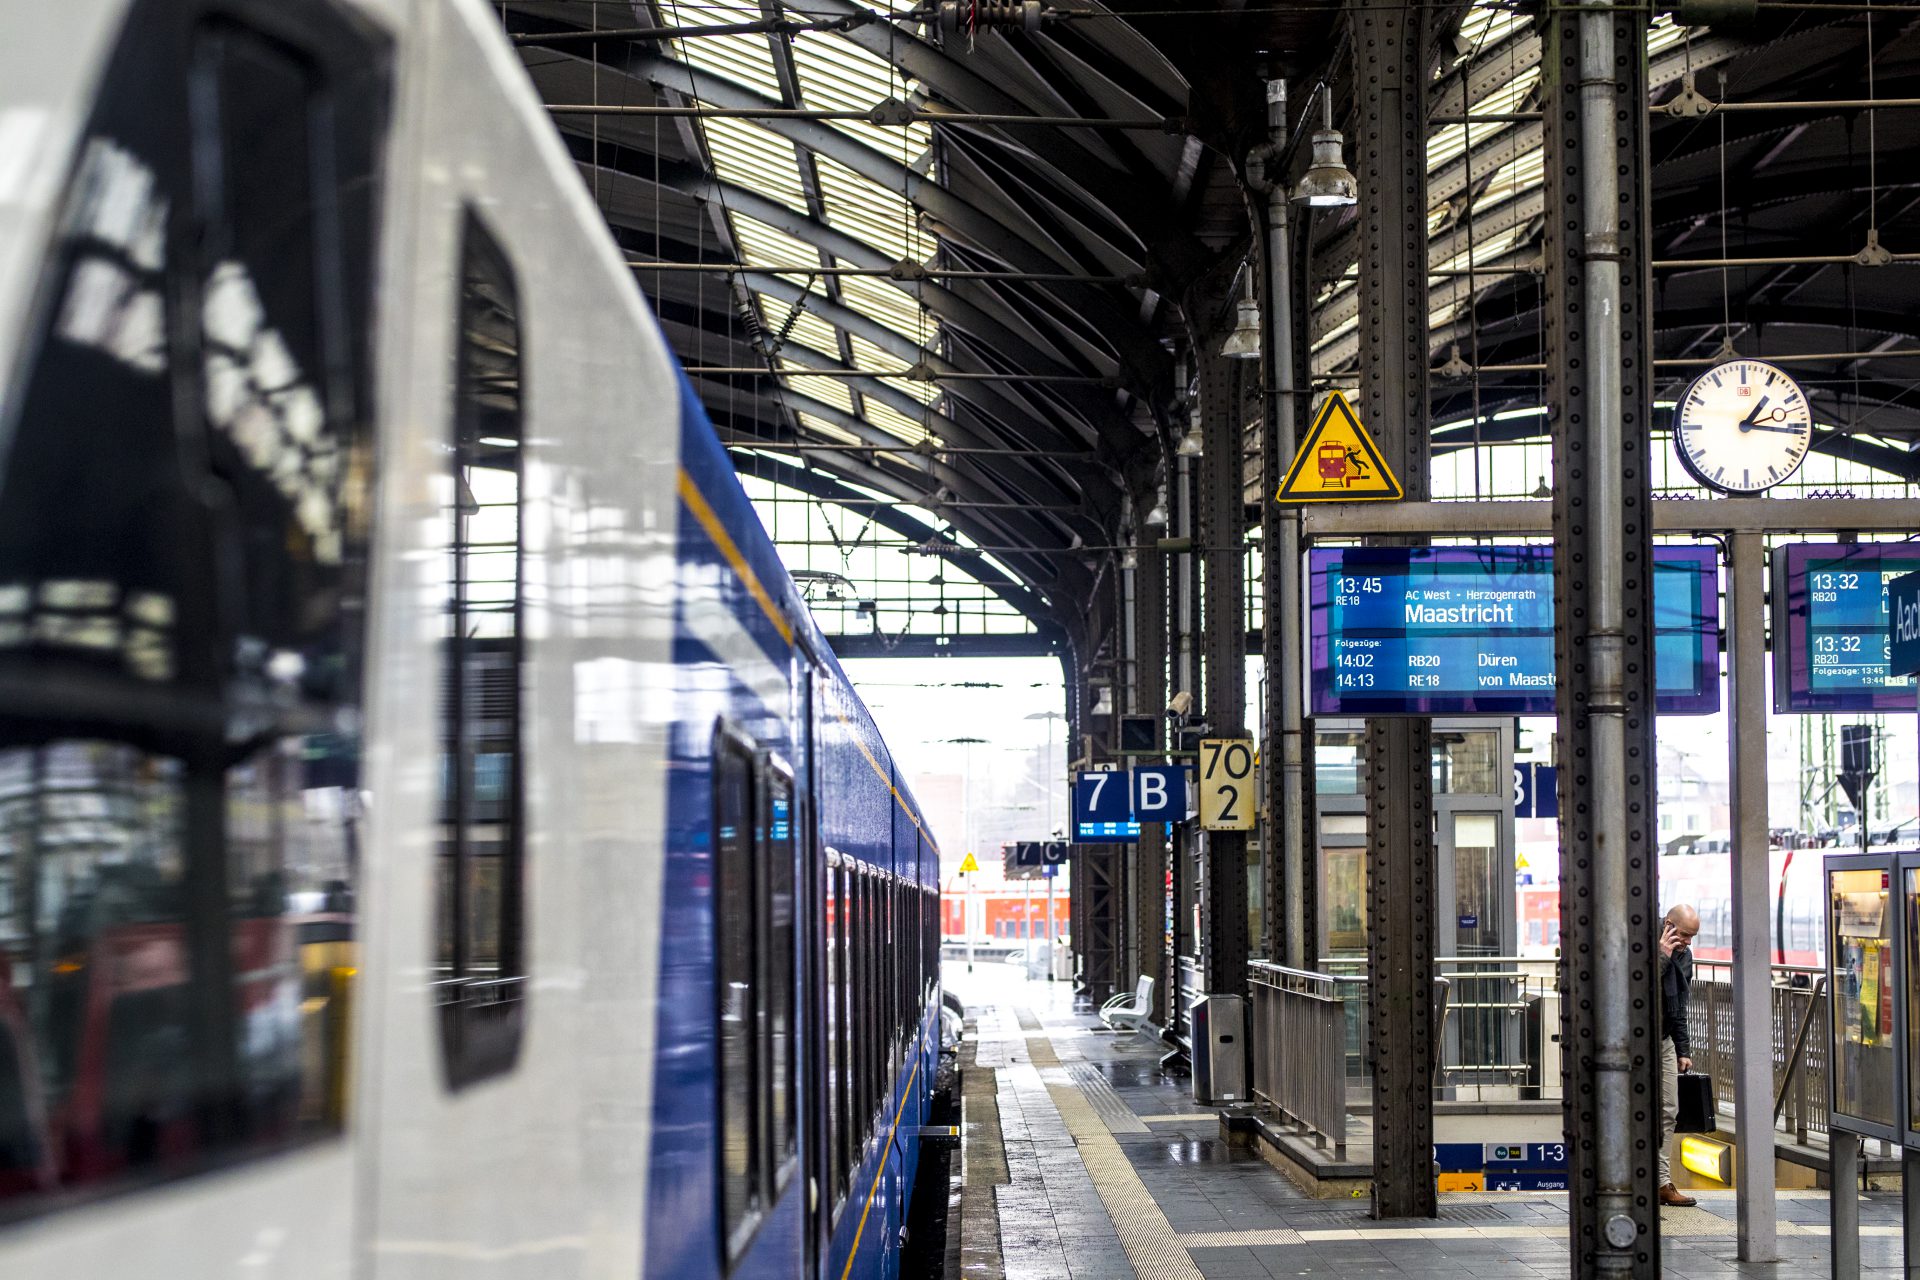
{"x": 1226, "y": 784}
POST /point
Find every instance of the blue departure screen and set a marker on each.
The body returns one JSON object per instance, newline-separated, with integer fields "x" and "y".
{"x": 1469, "y": 630}
{"x": 1835, "y": 655}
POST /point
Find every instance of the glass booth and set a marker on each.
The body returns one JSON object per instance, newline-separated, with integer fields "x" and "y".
{"x": 1869, "y": 946}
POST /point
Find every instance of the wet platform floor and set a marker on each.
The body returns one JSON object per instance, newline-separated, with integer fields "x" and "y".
{"x": 1084, "y": 1161}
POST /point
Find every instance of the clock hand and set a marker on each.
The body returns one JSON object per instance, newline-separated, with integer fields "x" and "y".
{"x": 1746, "y": 423}
{"x": 1794, "y": 431}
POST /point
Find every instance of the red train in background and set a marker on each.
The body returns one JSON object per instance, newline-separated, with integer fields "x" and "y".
{"x": 1705, "y": 880}
{"x": 1006, "y": 913}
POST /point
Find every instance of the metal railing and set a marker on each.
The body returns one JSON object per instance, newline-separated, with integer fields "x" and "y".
{"x": 1798, "y": 1031}
{"x": 1491, "y": 1045}
{"x": 1300, "y": 1034}
{"x": 1499, "y": 1028}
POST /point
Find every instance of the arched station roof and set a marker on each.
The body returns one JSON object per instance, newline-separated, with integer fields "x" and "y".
{"x": 899, "y": 252}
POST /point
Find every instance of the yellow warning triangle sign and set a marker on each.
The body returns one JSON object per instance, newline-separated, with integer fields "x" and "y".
{"x": 1338, "y": 462}
{"x": 969, "y": 863}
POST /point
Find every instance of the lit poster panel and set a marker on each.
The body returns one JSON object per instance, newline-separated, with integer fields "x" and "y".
{"x": 1469, "y": 630}
{"x": 1830, "y": 638}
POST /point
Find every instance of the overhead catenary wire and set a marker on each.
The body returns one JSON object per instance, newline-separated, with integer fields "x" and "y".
{"x": 903, "y": 272}
{"x": 883, "y": 114}
{"x": 920, "y": 374}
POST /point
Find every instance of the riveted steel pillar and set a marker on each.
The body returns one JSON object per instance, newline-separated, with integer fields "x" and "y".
{"x": 1221, "y": 508}
{"x": 1285, "y": 829}
{"x": 1149, "y": 905}
{"x": 1599, "y": 364}
{"x": 1390, "y": 74}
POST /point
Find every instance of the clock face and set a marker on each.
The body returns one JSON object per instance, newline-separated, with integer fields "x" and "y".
{"x": 1742, "y": 427}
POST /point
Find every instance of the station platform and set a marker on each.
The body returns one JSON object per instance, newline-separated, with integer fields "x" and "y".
{"x": 1082, "y": 1160}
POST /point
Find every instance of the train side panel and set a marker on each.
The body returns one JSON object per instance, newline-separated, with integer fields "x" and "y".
{"x": 504, "y": 1121}
{"x": 733, "y": 651}
{"x": 93, "y": 120}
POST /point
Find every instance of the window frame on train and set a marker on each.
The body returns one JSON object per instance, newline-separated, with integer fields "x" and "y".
{"x": 755, "y": 984}
{"x": 740, "y": 1192}
{"x": 776, "y": 858}
{"x": 482, "y": 1010}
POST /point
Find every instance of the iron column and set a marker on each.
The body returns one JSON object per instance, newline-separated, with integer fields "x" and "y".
{"x": 1390, "y": 103}
{"x": 1599, "y": 362}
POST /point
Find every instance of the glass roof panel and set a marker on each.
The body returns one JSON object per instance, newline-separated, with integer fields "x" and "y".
{"x": 868, "y": 357}
{"x": 821, "y": 427}
{"x": 765, "y": 246}
{"x": 1522, "y": 174}
{"x": 749, "y": 156}
{"x": 803, "y": 327}
{"x": 743, "y": 59}
{"x": 836, "y": 75}
{"x": 895, "y": 423}
{"x": 831, "y": 391}
{"x": 831, "y": 73}
{"x": 864, "y": 208}
{"x": 1486, "y": 25}
{"x": 924, "y": 392}
{"x": 860, "y": 577}
{"x": 887, "y": 303}
{"x": 1485, "y": 249}
{"x": 1449, "y": 143}
{"x": 1664, "y": 33}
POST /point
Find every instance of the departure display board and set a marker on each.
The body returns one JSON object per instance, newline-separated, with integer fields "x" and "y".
{"x": 1831, "y": 646}
{"x": 1469, "y": 630}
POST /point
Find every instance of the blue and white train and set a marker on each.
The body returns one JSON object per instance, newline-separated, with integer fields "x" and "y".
{"x": 434, "y": 841}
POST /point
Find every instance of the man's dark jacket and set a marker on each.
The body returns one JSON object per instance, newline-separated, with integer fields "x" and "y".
{"x": 1676, "y": 982}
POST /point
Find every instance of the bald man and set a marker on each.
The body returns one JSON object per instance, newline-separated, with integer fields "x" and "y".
{"x": 1677, "y": 931}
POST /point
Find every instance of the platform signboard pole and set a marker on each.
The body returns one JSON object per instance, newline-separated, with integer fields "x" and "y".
{"x": 1903, "y": 659}
{"x": 1048, "y": 872}
{"x": 1754, "y": 1177}
{"x": 968, "y": 866}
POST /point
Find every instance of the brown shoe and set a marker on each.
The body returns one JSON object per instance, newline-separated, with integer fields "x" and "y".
{"x": 1670, "y": 1194}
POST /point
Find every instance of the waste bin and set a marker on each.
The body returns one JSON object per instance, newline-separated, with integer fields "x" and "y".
{"x": 1220, "y": 1050}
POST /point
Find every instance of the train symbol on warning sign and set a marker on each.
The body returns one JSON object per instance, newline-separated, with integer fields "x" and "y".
{"x": 1338, "y": 465}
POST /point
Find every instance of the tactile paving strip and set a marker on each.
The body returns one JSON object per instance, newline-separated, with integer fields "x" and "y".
{"x": 1106, "y": 1104}
{"x": 1155, "y": 1251}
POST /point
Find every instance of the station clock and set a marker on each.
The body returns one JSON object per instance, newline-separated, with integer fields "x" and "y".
{"x": 1742, "y": 427}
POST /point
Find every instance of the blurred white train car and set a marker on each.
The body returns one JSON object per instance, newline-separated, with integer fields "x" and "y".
{"x": 433, "y": 839}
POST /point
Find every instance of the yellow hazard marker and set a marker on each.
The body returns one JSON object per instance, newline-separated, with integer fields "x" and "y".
{"x": 969, "y": 863}
{"x": 1338, "y": 462}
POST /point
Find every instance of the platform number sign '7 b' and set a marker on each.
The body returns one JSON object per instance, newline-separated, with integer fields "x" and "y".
{"x": 1226, "y": 784}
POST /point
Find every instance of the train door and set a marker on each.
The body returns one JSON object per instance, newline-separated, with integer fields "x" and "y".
{"x": 814, "y": 906}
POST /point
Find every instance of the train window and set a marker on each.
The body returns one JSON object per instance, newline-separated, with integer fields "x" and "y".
{"x": 880, "y": 1000}
{"x": 903, "y": 951}
{"x": 836, "y": 1045}
{"x": 736, "y": 988}
{"x": 857, "y": 1025}
{"x": 183, "y": 546}
{"x": 870, "y": 995}
{"x": 776, "y": 859}
{"x": 481, "y": 971}
{"x": 930, "y": 937}
{"x": 844, "y": 1090}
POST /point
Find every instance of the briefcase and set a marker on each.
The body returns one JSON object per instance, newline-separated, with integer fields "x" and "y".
{"x": 1697, "y": 1112}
